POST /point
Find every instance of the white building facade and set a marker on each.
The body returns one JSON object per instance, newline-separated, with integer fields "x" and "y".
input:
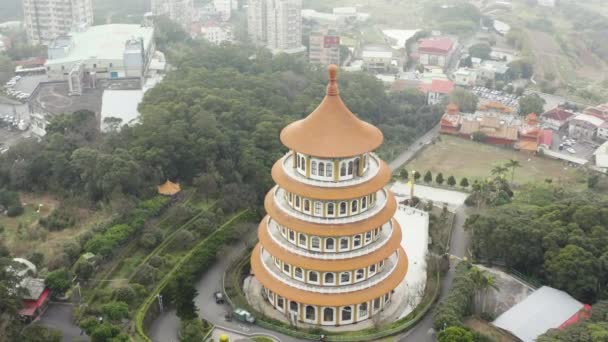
{"x": 277, "y": 24}
{"x": 45, "y": 20}
{"x": 224, "y": 8}
{"x": 180, "y": 11}
{"x": 324, "y": 47}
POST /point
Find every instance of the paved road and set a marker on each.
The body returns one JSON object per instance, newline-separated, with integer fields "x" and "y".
{"x": 406, "y": 155}
{"x": 59, "y": 316}
{"x": 165, "y": 327}
{"x": 458, "y": 247}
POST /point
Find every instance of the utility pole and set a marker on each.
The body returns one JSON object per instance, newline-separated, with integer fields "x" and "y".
{"x": 160, "y": 301}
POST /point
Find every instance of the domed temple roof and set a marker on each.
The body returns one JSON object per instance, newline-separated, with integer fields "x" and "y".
{"x": 331, "y": 130}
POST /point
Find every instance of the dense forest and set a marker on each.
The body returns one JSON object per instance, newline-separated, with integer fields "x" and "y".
{"x": 217, "y": 116}
{"x": 552, "y": 235}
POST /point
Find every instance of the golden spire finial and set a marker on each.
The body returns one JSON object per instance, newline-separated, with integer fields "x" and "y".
{"x": 332, "y": 87}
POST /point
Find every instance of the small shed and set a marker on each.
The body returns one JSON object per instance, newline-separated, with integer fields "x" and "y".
{"x": 169, "y": 188}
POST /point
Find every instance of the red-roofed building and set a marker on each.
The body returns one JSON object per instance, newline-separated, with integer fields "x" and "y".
{"x": 435, "y": 51}
{"x": 35, "y": 299}
{"x": 545, "y": 139}
{"x": 556, "y": 118}
{"x": 437, "y": 90}
{"x": 585, "y": 312}
{"x": 450, "y": 121}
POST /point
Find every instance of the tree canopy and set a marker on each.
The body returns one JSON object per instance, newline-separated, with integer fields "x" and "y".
{"x": 531, "y": 104}
{"x": 466, "y": 100}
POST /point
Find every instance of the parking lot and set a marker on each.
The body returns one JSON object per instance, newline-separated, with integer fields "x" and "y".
{"x": 509, "y": 100}
{"x": 572, "y": 146}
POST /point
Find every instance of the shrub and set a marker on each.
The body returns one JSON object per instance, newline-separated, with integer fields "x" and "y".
{"x": 457, "y": 303}
{"x": 59, "y": 280}
{"x": 125, "y": 294}
{"x": 14, "y": 210}
{"x": 115, "y": 311}
{"x": 58, "y": 220}
{"x": 151, "y": 239}
{"x": 156, "y": 261}
{"x": 145, "y": 275}
{"x": 84, "y": 269}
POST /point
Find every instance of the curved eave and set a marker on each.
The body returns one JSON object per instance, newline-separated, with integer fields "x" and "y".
{"x": 376, "y": 183}
{"x": 324, "y": 265}
{"x": 333, "y": 299}
{"x": 324, "y": 229}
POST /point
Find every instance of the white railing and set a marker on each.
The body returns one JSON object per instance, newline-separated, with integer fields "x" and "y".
{"x": 411, "y": 211}
{"x": 370, "y": 172}
{"x": 275, "y": 235}
{"x": 381, "y": 200}
{"x": 389, "y": 267}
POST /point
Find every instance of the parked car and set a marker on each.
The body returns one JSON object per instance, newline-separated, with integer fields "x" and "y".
{"x": 571, "y": 150}
{"x": 244, "y": 315}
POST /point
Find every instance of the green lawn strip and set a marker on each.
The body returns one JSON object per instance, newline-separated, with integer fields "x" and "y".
{"x": 141, "y": 312}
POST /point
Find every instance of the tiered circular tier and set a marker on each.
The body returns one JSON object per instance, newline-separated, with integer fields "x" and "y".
{"x": 329, "y": 252}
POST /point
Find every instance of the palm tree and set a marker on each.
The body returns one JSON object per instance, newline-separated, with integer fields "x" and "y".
{"x": 499, "y": 171}
{"x": 512, "y": 164}
{"x": 489, "y": 282}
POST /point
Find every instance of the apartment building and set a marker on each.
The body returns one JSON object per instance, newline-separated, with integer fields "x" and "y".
{"x": 46, "y": 20}
{"x": 324, "y": 47}
{"x": 277, "y": 24}
{"x": 223, "y": 8}
{"x": 180, "y": 11}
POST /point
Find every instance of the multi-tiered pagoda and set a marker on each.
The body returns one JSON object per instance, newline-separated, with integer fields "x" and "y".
{"x": 330, "y": 251}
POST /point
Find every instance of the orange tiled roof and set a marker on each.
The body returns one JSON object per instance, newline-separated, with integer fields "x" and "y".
{"x": 169, "y": 188}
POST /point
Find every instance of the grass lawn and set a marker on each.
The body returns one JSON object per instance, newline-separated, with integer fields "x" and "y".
{"x": 464, "y": 158}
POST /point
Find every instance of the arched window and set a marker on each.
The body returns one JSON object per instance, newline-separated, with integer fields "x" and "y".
{"x": 364, "y": 203}
{"x": 347, "y": 313}
{"x": 302, "y": 239}
{"x": 350, "y": 167}
{"x": 313, "y": 276}
{"x": 328, "y": 315}
{"x": 368, "y": 237}
{"x": 322, "y": 169}
{"x": 342, "y": 169}
{"x": 377, "y": 303}
{"x": 310, "y": 313}
{"x": 287, "y": 268}
{"x": 330, "y": 209}
{"x": 297, "y": 201}
{"x": 359, "y": 274}
{"x": 306, "y": 205}
{"x": 342, "y": 208}
{"x": 292, "y": 235}
{"x": 357, "y": 161}
{"x": 280, "y": 302}
{"x": 354, "y": 206}
{"x": 357, "y": 241}
{"x": 372, "y": 269}
{"x": 344, "y": 243}
{"x": 318, "y": 208}
{"x": 298, "y": 273}
{"x": 315, "y": 243}
{"x": 330, "y": 244}
{"x": 329, "y": 169}
{"x": 313, "y": 168}
{"x": 329, "y": 278}
{"x": 344, "y": 277}
{"x": 302, "y": 163}
{"x": 363, "y": 310}
{"x": 293, "y": 306}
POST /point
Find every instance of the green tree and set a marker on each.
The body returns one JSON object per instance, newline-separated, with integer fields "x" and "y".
{"x": 480, "y": 50}
{"x": 193, "y": 330}
{"x": 466, "y": 100}
{"x": 10, "y": 300}
{"x": 39, "y": 333}
{"x": 115, "y": 311}
{"x": 59, "y": 281}
{"x": 84, "y": 269}
{"x": 451, "y": 181}
{"x": 428, "y": 177}
{"x": 439, "y": 178}
{"x": 499, "y": 171}
{"x": 531, "y": 104}
{"x": 512, "y": 164}
{"x": 575, "y": 270}
{"x": 455, "y": 334}
{"x": 183, "y": 296}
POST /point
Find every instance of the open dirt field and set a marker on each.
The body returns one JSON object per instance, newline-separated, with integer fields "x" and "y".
{"x": 464, "y": 158}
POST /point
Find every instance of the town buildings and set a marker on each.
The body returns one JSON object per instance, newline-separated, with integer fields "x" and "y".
{"x": 585, "y": 126}
{"x": 556, "y": 118}
{"x": 465, "y": 77}
{"x": 45, "y": 20}
{"x": 324, "y": 47}
{"x": 180, "y": 11}
{"x": 103, "y": 51}
{"x": 329, "y": 250}
{"x": 378, "y": 60}
{"x": 276, "y": 24}
{"x": 437, "y": 91}
{"x": 216, "y": 33}
{"x": 224, "y": 8}
{"x": 435, "y": 51}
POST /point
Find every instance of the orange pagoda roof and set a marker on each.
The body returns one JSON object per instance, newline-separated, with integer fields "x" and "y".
{"x": 169, "y": 188}
{"x": 331, "y": 130}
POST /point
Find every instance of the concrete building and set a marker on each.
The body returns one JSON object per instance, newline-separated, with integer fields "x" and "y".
{"x": 217, "y": 34}
{"x": 277, "y": 24}
{"x": 602, "y": 131}
{"x": 329, "y": 251}
{"x": 585, "y": 126}
{"x": 378, "y": 61}
{"x": 465, "y": 77}
{"x": 601, "y": 156}
{"x": 437, "y": 91}
{"x": 223, "y": 8}
{"x": 45, "y": 20}
{"x": 104, "y": 51}
{"x": 180, "y": 11}
{"x": 435, "y": 51}
{"x": 324, "y": 47}
{"x": 556, "y": 118}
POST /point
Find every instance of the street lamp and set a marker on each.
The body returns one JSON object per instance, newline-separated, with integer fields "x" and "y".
{"x": 160, "y": 301}
{"x": 412, "y": 183}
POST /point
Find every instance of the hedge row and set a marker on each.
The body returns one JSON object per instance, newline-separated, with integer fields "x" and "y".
{"x": 457, "y": 303}
{"x": 105, "y": 243}
{"x": 193, "y": 264}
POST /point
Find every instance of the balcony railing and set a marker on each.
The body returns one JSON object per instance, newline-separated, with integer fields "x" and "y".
{"x": 389, "y": 267}
{"x": 275, "y": 234}
{"x": 372, "y": 170}
{"x": 381, "y": 200}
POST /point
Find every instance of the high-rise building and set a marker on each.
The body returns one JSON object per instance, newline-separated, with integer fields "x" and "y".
{"x": 277, "y": 23}
{"x": 223, "y": 8}
{"x": 329, "y": 251}
{"x": 324, "y": 47}
{"x": 180, "y": 11}
{"x": 46, "y": 20}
